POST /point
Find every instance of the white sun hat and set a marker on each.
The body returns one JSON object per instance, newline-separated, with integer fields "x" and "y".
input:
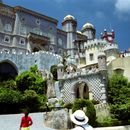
{"x": 79, "y": 117}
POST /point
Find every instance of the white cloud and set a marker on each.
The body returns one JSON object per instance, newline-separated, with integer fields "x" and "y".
{"x": 122, "y": 6}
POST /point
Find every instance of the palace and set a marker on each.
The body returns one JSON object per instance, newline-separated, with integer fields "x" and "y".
{"x": 28, "y": 38}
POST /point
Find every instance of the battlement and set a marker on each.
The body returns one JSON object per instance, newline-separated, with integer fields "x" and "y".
{"x": 23, "y": 61}
{"x": 96, "y": 42}
{"x": 81, "y": 72}
{"x": 31, "y": 53}
{"x": 110, "y": 47}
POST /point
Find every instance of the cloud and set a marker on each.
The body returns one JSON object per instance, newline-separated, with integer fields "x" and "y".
{"x": 122, "y": 6}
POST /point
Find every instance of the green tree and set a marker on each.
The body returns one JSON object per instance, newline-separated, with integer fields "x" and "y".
{"x": 31, "y": 80}
{"x": 89, "y": 111}
{"x": 118, "y": 97}
{"x": 24, "y": 80}
{"x": 31, "y": 101}
{"x": 10, "y": 100}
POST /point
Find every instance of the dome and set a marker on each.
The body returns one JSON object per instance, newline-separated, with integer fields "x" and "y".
{"x": 60, "y": 65}
{"x": 69, "y": 17}
{"x": 87, "y": 26}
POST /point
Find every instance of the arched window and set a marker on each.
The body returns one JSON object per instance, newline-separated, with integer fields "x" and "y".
{"x": 22, "y": 41}
{"x": 8, "y": 27}
{"x": 91, "y": 57}
{"x": 7, "y": 39}
{"x": 119, "y": 71}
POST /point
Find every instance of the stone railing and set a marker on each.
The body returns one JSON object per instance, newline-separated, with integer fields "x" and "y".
{"x": 82, "y": 72}
{"x": 110, "y": 46}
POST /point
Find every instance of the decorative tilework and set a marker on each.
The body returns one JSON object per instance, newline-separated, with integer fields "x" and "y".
{"x": 93, "y": 82}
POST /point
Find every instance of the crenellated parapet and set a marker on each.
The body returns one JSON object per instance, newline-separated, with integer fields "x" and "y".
{"x": 82, "y": 72}
{"x": 95, "y": 43}
{"x": 113, "y": 46}
{"x": 23, "y": 61}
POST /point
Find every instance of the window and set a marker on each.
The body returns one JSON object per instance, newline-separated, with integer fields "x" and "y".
{"x": 23, "y": 20}
{"x": 8, "y": 28}
{"x": 60, "y": 41}
{"x": 23, "y": 30}
{"x": 119, "y": 71}
{"x": 22, "y": 41}
{"x": 91, "y": 57}
{"x": 7, "y": 39}
{"x": 38, "y": 21}
{"x": 60, "y": 51}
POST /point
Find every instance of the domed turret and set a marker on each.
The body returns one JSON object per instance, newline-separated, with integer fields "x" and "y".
{"x": 69, "y": 17}
{"x": 102, "y": 61}
{"x": 69, "y": 25}
{"x": 88, "y": 30}
{"x": 87, "y": 26}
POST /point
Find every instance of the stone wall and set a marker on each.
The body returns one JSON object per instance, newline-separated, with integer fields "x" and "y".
{"x": 102, "y": 111}
{"x": 23, "y": 61}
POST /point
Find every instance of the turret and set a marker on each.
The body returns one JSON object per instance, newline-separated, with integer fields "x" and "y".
{"x": 60, "y": 71}
{"x": 69, "y": 25}
{"x": 102, "y": 61}
{"x": 111, "y": 48}
{"x": 108, "y": 36}
{"x": 103, "y": 70}
{"x": 89, "y": 30}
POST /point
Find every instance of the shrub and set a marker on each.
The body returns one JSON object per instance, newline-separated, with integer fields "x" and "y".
{"x": 68, "y": 105}
{"x": 31, "y": 101}
{"x": 9, "y": 84}
{"x": 24, "y": 80}
{"x": 108, "y": 121}
{"x": 89, "y": 109}
{"x": 10, "y": 101}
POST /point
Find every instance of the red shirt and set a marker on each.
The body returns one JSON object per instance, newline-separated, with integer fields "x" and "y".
{"x": 26, "y": 121}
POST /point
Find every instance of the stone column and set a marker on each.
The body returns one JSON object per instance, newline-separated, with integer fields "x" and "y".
{"x": 103, "y": 93}
{"x": 16, "y": 29}
{"x": 72, "y": 96}
{"x": 90, "y": 95}
{"x": 16, "y": 24}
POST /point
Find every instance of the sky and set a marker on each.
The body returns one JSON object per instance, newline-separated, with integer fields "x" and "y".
{"x": 103, "y": 14}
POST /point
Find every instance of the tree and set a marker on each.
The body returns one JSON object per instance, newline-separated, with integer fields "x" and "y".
{"x": 90, "y": 109}
{"x": 118, "y": 97}
{"x": 10, "y": 100}
{"x": 31, "y": 80}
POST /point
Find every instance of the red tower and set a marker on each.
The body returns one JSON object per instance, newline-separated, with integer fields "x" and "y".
{"x": 108, "y": 36}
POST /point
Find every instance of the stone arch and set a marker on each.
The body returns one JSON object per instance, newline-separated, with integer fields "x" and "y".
{"x": 81, "y": 89}
{"x": 8, "y": 70}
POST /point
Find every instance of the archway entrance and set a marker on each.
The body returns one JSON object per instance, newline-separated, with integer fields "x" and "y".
{"x": 7, "y": 71}
{"x": 81, "y": 90}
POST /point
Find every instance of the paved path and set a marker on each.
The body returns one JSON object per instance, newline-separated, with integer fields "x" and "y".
{"x": 12, "y": 122}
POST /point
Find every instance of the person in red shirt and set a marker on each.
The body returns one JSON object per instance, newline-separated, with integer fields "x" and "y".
{"x": 26, "y": 122}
